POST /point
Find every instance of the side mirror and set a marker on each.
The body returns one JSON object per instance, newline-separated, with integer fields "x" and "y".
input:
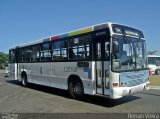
{"x": 115, "y": 47}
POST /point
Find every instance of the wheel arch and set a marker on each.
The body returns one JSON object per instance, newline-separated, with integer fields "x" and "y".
{"x": 74, "y": 78}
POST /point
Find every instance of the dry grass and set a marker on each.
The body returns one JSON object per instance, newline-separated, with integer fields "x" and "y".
{"x": 155, "y": 80}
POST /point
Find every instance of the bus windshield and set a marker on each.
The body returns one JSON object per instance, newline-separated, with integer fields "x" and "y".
{"x": 130, "y": 53}
{"x": 154, "y": 60}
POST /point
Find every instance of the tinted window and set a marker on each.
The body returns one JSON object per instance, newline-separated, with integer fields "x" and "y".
{"x": 12, "y": 56}
{"x": 35, "y": 53}
{"x": 60, "y": 50}
{"x": 25, "y": 54}
{"x": 45, "y": 52}
{"x": 79, "y": 48}
{"x": 107, "y": 50}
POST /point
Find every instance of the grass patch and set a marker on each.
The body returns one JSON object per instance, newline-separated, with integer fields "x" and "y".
{"x": 155, "y": 80}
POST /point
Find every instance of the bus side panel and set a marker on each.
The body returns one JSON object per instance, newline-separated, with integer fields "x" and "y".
{"x": 40, "y": 73}
{"x": 59, "y": 76}
{"x": 12, "y": 70}
{"x": 55, "y": 74}
{"x": 62, "y": 70}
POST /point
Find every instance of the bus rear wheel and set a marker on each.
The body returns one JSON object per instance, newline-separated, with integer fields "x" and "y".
{"x": 24, "y": 80}
{"x": 76, "y": 90}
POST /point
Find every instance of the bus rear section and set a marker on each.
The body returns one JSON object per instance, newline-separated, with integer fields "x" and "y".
{"x": 13, "y": 65}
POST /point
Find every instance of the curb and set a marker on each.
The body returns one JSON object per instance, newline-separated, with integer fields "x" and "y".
{"x": 155, "y": 87}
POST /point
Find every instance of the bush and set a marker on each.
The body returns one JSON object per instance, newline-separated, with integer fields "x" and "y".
{"x": 4, "y": 58}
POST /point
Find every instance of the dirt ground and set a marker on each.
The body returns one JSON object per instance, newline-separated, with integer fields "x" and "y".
{"x": 155, "y": 80}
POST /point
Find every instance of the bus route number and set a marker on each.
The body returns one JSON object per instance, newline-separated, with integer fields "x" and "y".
{"x": 70, "y": 69}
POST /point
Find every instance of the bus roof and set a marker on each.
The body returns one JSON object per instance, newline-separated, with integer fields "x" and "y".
{"x": 74, "y": 33}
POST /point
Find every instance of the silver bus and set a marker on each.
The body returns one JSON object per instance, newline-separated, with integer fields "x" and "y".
{"x": 107, "y": 60}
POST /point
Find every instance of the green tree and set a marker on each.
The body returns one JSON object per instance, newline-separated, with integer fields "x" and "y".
{"x": 4, "y": 59}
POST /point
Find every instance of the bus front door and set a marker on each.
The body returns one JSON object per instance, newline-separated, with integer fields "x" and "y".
{"x": 102, "y": 66}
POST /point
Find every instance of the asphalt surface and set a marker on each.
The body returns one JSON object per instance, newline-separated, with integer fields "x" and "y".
{"x": 15, "y": 98}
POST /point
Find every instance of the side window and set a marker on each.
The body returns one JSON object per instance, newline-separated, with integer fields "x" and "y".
{"x": 12, "y": 56}
{"x": 73, "y": 48}
{"x": 107, "y": 50}
{"x": 35, "y": 53}
{"x": 56, "y": 51}
{"x": 64, "y": 46}
{"x": 60, "y": 50}
{"x": 25, "y": 54}
{"x": 79, "y": 48}
{"x": 45, "y": 52}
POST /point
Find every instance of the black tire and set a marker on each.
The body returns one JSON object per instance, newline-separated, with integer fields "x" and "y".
{"x": 157, "y": 72}
{"x": 24, "y": 80}
{"x": 76, "y": 90}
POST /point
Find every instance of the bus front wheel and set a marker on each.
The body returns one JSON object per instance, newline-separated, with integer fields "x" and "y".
{"x": 76, "y": 90}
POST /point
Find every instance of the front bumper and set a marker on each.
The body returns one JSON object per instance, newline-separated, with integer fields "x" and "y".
{"x": 118, "y": 92}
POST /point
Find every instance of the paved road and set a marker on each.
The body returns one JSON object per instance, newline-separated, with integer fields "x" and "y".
{"x": 41, "y": 99}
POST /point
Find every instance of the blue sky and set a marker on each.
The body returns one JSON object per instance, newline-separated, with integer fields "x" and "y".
{"x": 23, "y": 21}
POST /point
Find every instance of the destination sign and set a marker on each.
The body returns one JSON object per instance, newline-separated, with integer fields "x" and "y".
{"x": 125, "y": 30}
{"x": 131, "y": 33}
